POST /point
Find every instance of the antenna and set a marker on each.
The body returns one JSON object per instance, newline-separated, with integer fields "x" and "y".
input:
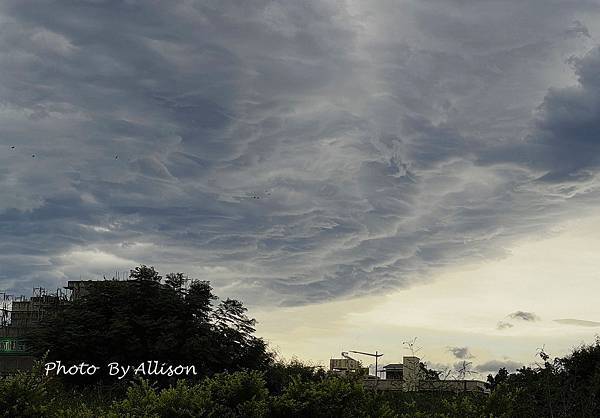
{"x": 411, "y": 345}
{"x": 463, "y": 371}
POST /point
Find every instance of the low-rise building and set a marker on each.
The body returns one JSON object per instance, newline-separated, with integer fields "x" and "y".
{"x": 409, "y": 377}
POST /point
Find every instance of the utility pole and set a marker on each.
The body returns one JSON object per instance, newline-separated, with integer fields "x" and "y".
{"x": 376, "y": 355}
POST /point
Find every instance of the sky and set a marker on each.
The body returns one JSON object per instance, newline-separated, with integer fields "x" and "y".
{"x": 358, "y": 173}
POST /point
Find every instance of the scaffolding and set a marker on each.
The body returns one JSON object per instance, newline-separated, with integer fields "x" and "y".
{"x": 5, "y": 308}
{"x": 19, "y": 316}
{"x": 19, "y": 312}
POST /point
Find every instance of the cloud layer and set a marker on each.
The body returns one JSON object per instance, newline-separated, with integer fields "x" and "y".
{"x": 524, "y": 316}
{"x": 460, "y": 352}
{"x": 578, "y": 322}
{"x": 292, "y": 152}
{"x": 493, "y": 366}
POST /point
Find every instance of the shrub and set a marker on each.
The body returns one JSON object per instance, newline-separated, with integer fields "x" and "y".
{"x": 240, "y": 394}
{"x": 24, "y": 395}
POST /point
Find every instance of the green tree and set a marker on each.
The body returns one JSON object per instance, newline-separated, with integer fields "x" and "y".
{"x": 141, "y": 319}
{"x": 562, "y": 387}
{"x": 240, "y": 394}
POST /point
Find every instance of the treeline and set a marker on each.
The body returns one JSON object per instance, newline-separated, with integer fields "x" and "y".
{"x": 178, "y": 322}
{"x": 287, "y": 390}
{"x": 563, "y": 387}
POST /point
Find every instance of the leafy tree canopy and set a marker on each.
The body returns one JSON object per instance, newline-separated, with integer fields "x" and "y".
{"x": 144, "y": 319}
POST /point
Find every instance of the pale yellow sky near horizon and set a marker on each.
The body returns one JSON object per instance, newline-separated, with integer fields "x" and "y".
{"x": 555, "y": 277}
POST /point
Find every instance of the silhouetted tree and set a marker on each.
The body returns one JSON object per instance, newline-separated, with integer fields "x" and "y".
{"x": 175, "y": 281}
{"x": 199, "y": 299}
{"x": 142, "y": 319}
{"x": 494, "y": 381}
{"x": 429, "y": 374}
{"x": 144, "y": 272}
{"x": 563, "y": 387}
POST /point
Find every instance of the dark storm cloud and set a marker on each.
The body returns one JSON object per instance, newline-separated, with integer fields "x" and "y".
{"x": 460, "y": 352}
{"x": 563, "y": 145}
{"x": 493, "y": 366}
{"x": 524, "y": 316}
{"x": 569, "y": 121}
{"x": 292, "y": 152}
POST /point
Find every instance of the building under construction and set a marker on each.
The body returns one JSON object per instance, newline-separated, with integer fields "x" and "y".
{"x": 20, "y": 315}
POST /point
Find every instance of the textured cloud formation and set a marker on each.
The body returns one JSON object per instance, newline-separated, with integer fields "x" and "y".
{"x": 460, "y": 352}
{"x": 493, "y": 366}
{"x": 524, "y": 316}
{"x": 504, "y": 325}
{"x": 291, "y": 152}
{"x": 578, "y": 322}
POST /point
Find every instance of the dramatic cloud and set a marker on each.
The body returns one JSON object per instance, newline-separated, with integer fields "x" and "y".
{"x": 493, "y": 366}
{"x": 460, "y": 352}
{"x": 578, "y": 322}
{"x": 524, "y": 316}
{"x": 291, "y": 152}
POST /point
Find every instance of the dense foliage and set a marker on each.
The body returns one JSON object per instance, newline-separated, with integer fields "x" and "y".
{"x": 563, "y": 387}
{"x": 180, "y": 322}
{"x": 144, "y": 319}
{"x": 238, "y": 394}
